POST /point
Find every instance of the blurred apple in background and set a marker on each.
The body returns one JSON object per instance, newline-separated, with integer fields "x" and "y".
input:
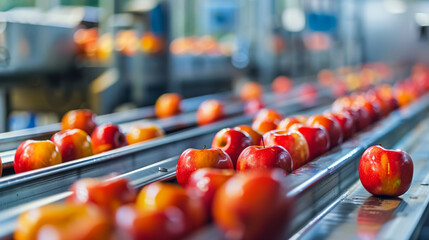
{"x": 168, "y": 105}
{"x": 142, "y": 133}
{"x": 209, "y": 111}
{"x": 281, "y": 84}
{"x": 253, "y": 106}
{"x": 331, "y": 126}
{"x": 251, "y": 91}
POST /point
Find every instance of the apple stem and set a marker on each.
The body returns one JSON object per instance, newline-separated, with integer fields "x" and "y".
{"x": 263, "y": 142}
{"x": 204, "y": 147}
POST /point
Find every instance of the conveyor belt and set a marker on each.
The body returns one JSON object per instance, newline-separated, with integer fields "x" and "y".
{"x": 314, "y": 186}
{"x": 24, "y": 187}
{"x": 357, "y": 214}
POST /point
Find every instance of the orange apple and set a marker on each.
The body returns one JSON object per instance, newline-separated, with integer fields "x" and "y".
{"x": 162, "y": 196}
{"x": 266, "y": 120}
{"x": 82, "y": 119}
{"x": 63, "y": 221}
{"x": 31, "y": 155}
{"x": 141, "y": 133}
{"x": 168, "y": 105}
{"x": 251, "y": 91}
{"x": 281, "y": 84}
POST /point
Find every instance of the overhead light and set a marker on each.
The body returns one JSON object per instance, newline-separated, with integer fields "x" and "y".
{"x": 293, "y": 19}
{"x": 422, "y": 19}
{"x": 395, "y": 6}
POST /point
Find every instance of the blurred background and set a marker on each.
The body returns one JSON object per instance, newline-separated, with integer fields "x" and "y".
{"x": 57, "y": 55}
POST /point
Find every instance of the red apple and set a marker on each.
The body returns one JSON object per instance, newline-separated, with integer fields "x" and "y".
{"x": 72, "y": 144}
{"x": 255, "y": 135}
{"x": 108, "y": 195}
{"x": 253, "y": 205}
{"x": 372, "y": 108}
{"x": 385, "y": 172}
{"x": 281, "y": 84}
{"x": 259, "y": 157}
{"x": 107, "y": 137}
{"x": 209, "y": 111}
{"x": 150, "y": 225}
{"x": 293, "y": 141}
{"x": 192, "y": 159}
{"x": 346, "y": 122}
{"x": 205, "y": 182}
{"x": 82, "y": 119}
{"x": 331, "y": 126}
{"x": 317, "y": 140}
{"x": 232, "y": 141}
{"x": 364, "y": 119}
{"x": 31, "y": 155}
